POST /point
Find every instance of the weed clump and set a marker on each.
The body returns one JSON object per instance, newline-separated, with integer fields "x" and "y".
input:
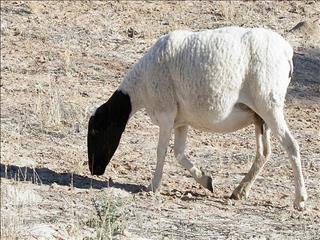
{"x": 110, "y": 219}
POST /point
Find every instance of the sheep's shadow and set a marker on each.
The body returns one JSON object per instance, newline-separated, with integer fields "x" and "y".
{"x": 306, "y": 75}
{"x": 47, "y": 176}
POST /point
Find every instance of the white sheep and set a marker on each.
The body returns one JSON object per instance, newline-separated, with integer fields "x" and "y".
{"x": 217, "y": 80}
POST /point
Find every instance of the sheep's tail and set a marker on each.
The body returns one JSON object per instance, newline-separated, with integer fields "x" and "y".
{"x": 291, "y": 68}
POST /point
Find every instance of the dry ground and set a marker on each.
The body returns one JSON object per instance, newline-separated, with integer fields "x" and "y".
{"x": 61, "y": 59}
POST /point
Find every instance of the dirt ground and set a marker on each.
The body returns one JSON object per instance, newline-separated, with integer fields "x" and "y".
{"x": 59, "y": 60}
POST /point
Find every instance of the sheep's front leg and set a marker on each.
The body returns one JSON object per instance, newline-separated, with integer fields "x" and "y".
{"x": 262, "y": 156}
{"x": 179, "y": 147}
{"x": 164, "y": 138}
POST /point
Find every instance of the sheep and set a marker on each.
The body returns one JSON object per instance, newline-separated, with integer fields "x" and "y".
{"x": 217, "y": 80}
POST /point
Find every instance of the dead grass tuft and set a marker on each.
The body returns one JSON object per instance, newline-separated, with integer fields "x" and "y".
{"x": 110, "y": 219}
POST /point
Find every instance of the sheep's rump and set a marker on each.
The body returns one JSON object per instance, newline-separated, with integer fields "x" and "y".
{"x": 211, "y": 71}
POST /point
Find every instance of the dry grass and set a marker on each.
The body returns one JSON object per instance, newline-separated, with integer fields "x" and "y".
{"x": 16, "y": 201}
{"x": 110, "y": 219}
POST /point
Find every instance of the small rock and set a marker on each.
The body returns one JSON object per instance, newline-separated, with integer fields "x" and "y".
{"x": 53, "y": 185}
{"x": 165, "y": 23}
{"x": 131, "y": 32}
{"x": 43, "y": 231}
{"x": 229, "y": 202}
{"x": 309, "y": 28}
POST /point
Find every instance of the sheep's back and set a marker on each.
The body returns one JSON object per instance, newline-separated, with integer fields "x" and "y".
{"x": 210, "y": 71}
{"x": 214, "y": 69}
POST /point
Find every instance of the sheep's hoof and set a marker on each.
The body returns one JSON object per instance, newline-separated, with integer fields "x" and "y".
{"x": 152, "y": 188}
{"x": 239, "y": 194}
{"x": 206, "y": 182}
{"x": 299, "y": 204}
{"x": 209, "y": 184}
{"x": 235, "y": 196}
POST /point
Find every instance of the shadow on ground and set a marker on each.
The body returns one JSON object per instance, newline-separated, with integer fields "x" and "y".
{"x": 306, "y": 75}
{"x": 48, "y": 177}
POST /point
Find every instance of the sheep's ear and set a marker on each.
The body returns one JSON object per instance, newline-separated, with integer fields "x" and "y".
{"x": 105, "y": 129}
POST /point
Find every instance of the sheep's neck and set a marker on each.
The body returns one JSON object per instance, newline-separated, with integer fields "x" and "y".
{"x": 133, "y": 86}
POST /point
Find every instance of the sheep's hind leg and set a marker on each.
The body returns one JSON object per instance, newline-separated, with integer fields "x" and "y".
{"x": 278, "y": 125}
{"x": 262, "y": 156}
{"x": 179, "y": 147}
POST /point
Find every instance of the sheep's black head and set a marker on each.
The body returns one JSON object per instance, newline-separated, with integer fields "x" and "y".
{"x": 105, "y": 128}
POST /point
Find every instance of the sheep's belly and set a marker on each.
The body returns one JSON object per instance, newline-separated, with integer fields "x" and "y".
{"x": 239, "y": 117}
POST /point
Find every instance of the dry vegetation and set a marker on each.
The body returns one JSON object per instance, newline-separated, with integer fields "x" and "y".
{"x": 61, "y": 59}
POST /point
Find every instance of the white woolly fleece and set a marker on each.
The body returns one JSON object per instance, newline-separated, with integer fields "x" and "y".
{"x": 205, "y": 77}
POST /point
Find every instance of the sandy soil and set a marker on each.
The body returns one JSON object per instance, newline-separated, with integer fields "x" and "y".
{"x": 60, "y": 60}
